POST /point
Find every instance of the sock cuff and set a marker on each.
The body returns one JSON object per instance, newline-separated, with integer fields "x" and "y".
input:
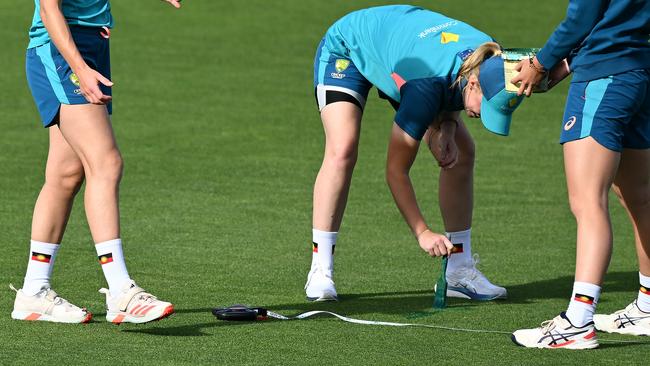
{"x": 42, "y": 247}
{"x": 644, "y": 280}
{"x": 587, "y": 289}
{"x": 462, "y": 236}
{"x": 324, "y": 237}
{"x": 107, "y": 246}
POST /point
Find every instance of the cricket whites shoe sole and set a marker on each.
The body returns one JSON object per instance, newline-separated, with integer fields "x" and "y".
{"x": 557, "y": 333}
{"x": 631, "y": 321}
{"x": 134, "y": 305}
{"x": 47, "y": 305}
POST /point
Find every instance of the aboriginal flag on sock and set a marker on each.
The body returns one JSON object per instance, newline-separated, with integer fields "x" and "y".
{"x": 458, "y": 248}
{"x": 105, "y": 258}
{"x": 644, "y": 290}
{"x": 584, "y": 299}
{"x": 314, "y": 247}
{"x": 40, "y": 257}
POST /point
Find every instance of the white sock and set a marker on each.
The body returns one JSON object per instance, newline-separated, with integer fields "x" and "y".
{"x": 39, "y": 267}
{"x": 111, "y": 258}
{"x": 643, "y": 301}
{"x": 462, "y": 255}
{"x": 324, "y": 243}
{"x": 583, "y": 303}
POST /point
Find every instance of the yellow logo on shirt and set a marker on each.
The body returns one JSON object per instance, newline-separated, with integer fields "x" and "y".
{"x": 341, "y": 65}
{"x": 446, "y": 37}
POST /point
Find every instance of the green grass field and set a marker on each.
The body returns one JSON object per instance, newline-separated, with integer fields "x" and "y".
{"x": 215, "y": 117}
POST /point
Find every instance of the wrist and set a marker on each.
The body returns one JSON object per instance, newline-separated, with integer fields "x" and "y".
{"x": 534, "y": 64}
{"x": 420, "y": 232}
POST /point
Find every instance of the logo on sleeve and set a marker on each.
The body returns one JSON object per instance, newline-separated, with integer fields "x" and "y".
{"x": 446, "y": 37}
{"x": 465, "y": 54}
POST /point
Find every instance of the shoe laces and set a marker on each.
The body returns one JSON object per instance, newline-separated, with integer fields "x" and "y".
{"x": 548, "y": 325}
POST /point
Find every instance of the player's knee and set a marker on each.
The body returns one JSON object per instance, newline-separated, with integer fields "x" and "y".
{"x": 107, "y": 168}
{"x": 341, "y": 158}
{"x": 66, "y": 177}
{"x": 586, "y": 205}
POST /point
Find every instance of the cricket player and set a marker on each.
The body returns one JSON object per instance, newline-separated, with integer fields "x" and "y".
{"x": 430, "y": 68}
{"x": 68, "y": 71}
{"x": 606, "y": 142}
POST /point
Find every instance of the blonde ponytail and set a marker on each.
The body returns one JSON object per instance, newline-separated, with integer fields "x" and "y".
{"x": 473, "y": 61}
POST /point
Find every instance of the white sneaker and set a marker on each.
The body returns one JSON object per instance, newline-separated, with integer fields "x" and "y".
{"x": 47, "y": 306}
{"x": 320, "y": 286}
{"x": 557, "y": 333}
{"x": 134, "y": 305}
{"x": 470, "y": 283}
{"x": 630, "y": 320}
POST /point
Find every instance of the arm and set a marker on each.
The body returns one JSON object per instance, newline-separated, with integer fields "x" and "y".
{"x": 401, "y": 155}
{"x": 582, "y": 16}
{"x": 59, "y": 32}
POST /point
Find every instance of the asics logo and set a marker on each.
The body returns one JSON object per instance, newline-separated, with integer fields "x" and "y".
{"x": 570, "y": 123}
{"x": 557, "y": 336}
{"x": 625, "y": 320}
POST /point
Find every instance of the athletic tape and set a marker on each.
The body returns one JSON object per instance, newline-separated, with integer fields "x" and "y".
{"x": 372, "y": 322}
{"x": 310, "y": 314}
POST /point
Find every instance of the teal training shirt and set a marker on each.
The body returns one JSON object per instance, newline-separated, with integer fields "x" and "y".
{"x": 90, "y": 13}
{"x": 393, "y": 44}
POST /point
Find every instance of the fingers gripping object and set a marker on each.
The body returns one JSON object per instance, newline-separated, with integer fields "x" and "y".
{"x": 240, "y": 313}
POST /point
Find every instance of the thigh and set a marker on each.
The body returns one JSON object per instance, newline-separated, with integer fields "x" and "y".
{"x": 342, "y": 125}
{"x": 337, "y": 79}
{"x": 62, "y": 161}
{"x": 465, "y": 143}
{"x": 590, "y": 169}
{"x": 87, "y": 129}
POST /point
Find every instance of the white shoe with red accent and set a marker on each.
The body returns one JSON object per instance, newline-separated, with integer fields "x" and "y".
{"x": 557, "y": 333}
{"x": 134, "y": 305}
{"x": 47, "y": 306}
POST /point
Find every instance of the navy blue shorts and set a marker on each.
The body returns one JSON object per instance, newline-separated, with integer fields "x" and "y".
{"x": 336, "y": 78}
{"x": 614, "y": 111}
{"x": 51, "y": 79}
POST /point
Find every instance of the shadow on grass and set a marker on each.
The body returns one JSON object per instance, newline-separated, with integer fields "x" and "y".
{"x": 561, "y": 288}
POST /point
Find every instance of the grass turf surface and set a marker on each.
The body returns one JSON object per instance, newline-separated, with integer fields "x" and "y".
{"x": 215, "y": 117}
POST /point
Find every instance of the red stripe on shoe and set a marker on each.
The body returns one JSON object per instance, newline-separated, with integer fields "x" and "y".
{"x": 33, "y": 316}
{"x": 118, "y": 319}
{"x": 591, "y": 335}
{"x": 145, "y": 311}
{"x": 562, "y": 344}
{"x": 135, "y": 309}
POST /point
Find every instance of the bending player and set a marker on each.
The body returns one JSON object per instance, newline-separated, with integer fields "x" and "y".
{"x": 606, "y": 141}
{"x": 68, "y": 70}
{"x": 429, "y": 67}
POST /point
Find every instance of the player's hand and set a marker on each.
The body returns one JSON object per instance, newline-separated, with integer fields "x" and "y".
{"x": 436, "y": 245}
{"x": 89, "y": 80}
{"x": 528, "y": 76}
{"x": 174, "y": 3}
{"x": 442, "y": 144}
